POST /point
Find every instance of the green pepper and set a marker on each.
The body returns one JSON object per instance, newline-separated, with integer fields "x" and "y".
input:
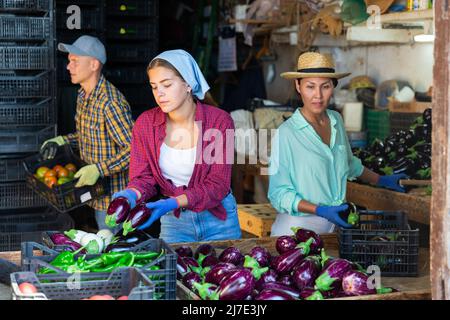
{"x": 65, "y": 258}
{"x": 110, "y": 258}
{"x": 109, "y": 268}
{"x": 147, "y": 255}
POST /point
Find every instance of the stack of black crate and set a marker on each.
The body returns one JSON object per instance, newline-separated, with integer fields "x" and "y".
{"x": 27, "y": 114}
{"x": 132, "y": 34}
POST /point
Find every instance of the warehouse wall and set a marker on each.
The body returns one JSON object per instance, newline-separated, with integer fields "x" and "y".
{"x": 413, "y": 63}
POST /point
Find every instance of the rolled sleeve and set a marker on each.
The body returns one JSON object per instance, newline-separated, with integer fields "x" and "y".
{"x": 356, "y": 167}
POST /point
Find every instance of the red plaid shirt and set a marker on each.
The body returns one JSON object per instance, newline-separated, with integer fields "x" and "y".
{"x": 210, "y": 181}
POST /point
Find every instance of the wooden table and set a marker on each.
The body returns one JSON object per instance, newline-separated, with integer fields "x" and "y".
{"x": 416, "y": 204}
{"x": 411, "y": 288}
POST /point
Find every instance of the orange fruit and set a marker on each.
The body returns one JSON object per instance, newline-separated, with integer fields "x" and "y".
{"x": 57, "y": 168}
{"x": 71, "y": 167}
{"x": 40, "y": 172}
{"x": 63, "y": 173}
{"x": 50, "y": 181}
{"x": 50, "y": 173}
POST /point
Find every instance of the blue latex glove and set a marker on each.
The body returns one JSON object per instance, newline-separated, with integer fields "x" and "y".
{"x": 159, "y": 208}
{"x": 331, "y": 214}
{"x": 129, "y": 194}
{"x": 391, "y": 182}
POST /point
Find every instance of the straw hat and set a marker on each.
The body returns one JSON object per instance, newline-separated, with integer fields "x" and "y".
{"x": 312, "y": 65}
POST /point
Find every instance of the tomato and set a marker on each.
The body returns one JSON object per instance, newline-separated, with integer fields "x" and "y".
{"x": 57, "y": 168}
{"x": 63, "y": 173}
{"x": 50, "y": 173}
{"x": 40, "y": 172}
{"x": 122, "y": 298}
{"x": 71, "y": 167}
{"x": 100, "y": 297}
{"x": 27, "y": 288}
{"x": 50, "y": 181}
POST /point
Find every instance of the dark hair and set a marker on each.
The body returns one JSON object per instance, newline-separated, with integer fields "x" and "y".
{"x": 334, "y": 80}
{"x": 208, "y": 99}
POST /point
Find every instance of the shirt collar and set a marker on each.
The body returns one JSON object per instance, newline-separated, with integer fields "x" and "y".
{"x": 300, "y": 122}
{"x": 98, "y": 88}
{"x": 160, "y": 117}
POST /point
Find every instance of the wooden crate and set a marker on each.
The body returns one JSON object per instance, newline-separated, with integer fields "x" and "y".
{"x": 408, "y": 107}
{"x": 256, "y": 219}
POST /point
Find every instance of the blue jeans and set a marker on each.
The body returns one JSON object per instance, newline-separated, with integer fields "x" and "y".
{"x": 201, "y": 226}
{"x": 100, "y": 218}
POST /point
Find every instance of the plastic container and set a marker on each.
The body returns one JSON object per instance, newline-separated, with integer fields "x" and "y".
{"x": 357, "y": 139}
{"x": 27, "y": 5}
{"x": 38, "y": 114}
{"x": 17, "y": 195}
{"x": 353, "y": 116}
{"x": 132, "y": 8}
{"x": 137, "y": 53}
{"x": 135, "y": 30}
{"x": 123, "y": 282}
{"x": 126, "y": 74}
{"x": 402, "y": 121}
{"x": 21, "y": 28}
{"x": 91, "y": 19}
{"x": 24, "y": 58}
{"x": 25, "y": 140}
{"x": 22, "y": 227}
{"x": 377, "y": 124}
{"x": 384, "y": 239}
{"x": 63, "y": 197}
{"x": 36, "y": 256}
{"x": 24, "y": 86}
{"x": 11, "y": 168}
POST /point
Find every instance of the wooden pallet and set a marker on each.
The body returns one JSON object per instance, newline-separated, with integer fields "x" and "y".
{"x": 256, "y": 219}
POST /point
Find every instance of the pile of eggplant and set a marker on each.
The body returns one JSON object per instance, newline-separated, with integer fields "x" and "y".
{"x": 406, "y": 151}
{"x": 301, "y": 271}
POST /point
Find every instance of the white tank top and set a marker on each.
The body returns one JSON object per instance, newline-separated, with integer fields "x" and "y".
{"x": 177, "y": 164}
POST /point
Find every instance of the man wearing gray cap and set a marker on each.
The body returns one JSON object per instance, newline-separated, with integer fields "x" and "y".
{"x": 103, "y": 123}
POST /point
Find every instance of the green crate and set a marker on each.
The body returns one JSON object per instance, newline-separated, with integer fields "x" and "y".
{"x": 377, "y": 124}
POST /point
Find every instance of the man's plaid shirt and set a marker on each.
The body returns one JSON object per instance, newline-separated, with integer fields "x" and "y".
{"x": 103, "y": 135}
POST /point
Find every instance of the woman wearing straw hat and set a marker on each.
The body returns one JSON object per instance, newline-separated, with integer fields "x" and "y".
{"x": 311, "y": 157}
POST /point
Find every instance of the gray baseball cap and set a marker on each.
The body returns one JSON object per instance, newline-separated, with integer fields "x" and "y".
{"x": 86, "y": 46}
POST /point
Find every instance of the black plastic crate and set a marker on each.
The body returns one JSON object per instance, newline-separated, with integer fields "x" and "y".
{"x": 16, "y": 195}
{"x": 21, "y": 28}
{"x": 126, "y": 74}
{"x": 36, "y": 256}
{"x": 402, "y": 120}
{"x": 124, "y": 282}
{"x": 27, "y": 5}
{"x": 135, "y": 53}
{"x": 63, "y": 197}
{"x": 91, "y": 19}
{"x": 11, "y": 168}
{"x": 25, "y": 140}
{"x": 23, "y": 227}
{"x": 39, "y": 114}
{"x": 132, "y": 8}
{"x": 135, "y": 30}
{"x": 13, "y": 85}
{"x": 138, "y": 95}
{"x": 384, "y": 239}
{"x": 25, "y": 58}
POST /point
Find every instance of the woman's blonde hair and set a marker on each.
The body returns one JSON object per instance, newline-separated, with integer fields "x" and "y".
{"x": 163, "y": 63}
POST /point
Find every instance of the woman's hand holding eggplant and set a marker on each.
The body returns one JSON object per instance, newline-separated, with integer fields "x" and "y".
{"x": 331, "y": 213}
{"x": 159, "y": 208}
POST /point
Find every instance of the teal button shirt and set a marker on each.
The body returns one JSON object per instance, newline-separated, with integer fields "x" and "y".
{"x": 302, "y": 167}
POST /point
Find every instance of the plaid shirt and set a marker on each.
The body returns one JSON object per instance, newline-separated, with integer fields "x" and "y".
{"x": 210, "y": 182}
{"x": 104, "y": 124}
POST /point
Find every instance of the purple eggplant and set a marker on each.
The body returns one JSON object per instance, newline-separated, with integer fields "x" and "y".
{"x": 210, "y": 261}
{"x": 270, "y": 294}
{"x": 285, "y": 244}
{"x": 283, "y": 264}
{"x": 281, "y": 287}
{"x": 311, "y": 294}
{"x": 182, "y": 268}
{"x": 192, "y": 264}
{"x": 60, "y": 239}
{"x": 119, "y": 247}
{"x": 286, "y": 280}
{"x": 236, "y": 285}
{"x": 135, "y": 237}
{"x": 118, "y": 211}
{"x": 137, "y": 217}
{"x": 232, "y": 255}
{"x": 184, "y": 251}
{"x": 336, "y": 292}
{"x": 205, "y": 249}
{"x": 261, "y": 255}
{"x": 205, "y": 290}
{"x": 189, "y": 279}
{"x": 332, "y": 275}
{"x": 269, "y": 276}
{"x": 305, "y": 274}
{"x": 303, "y": 235}
{"x": 354, "y": 283}
{"x": 218, "y": 272}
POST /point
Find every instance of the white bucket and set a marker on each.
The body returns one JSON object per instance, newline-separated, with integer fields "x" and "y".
{"x": 353, "y": 116}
